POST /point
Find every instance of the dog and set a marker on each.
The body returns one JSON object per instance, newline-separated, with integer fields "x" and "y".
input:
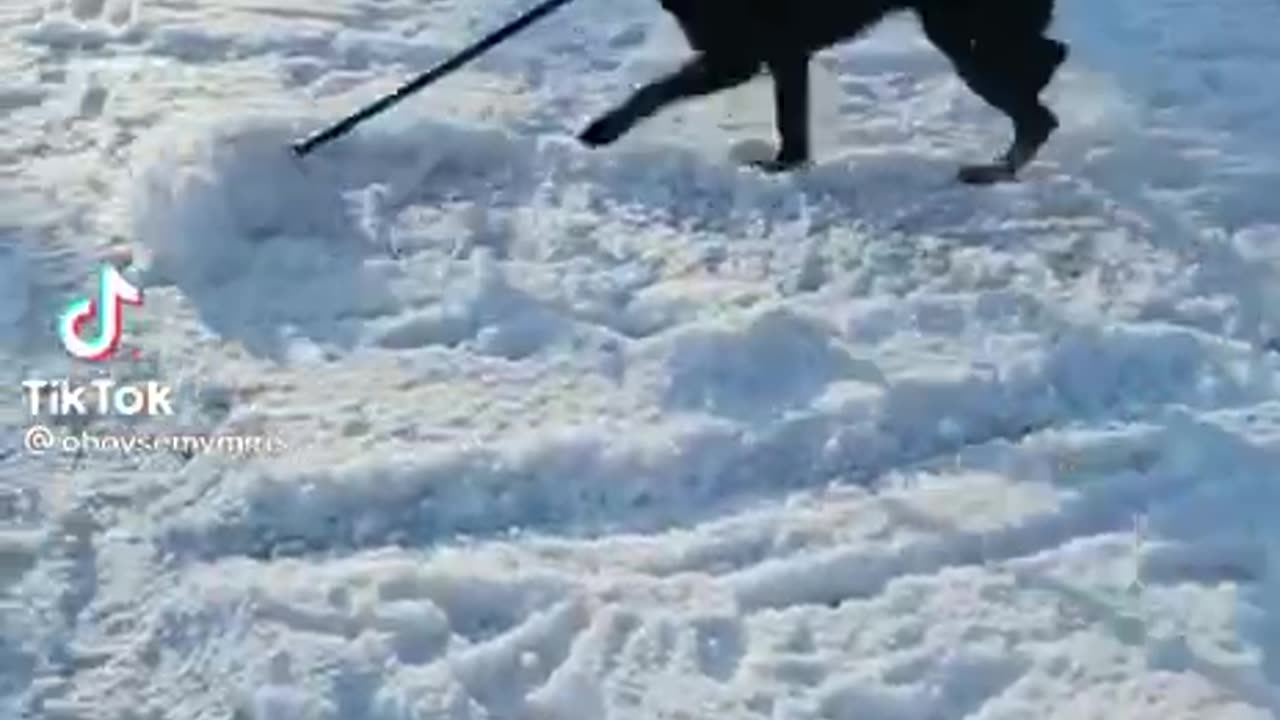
{"x": 997, "y": 47}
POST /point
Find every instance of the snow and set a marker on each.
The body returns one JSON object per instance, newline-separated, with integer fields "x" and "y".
{"x": 637, "y": 432}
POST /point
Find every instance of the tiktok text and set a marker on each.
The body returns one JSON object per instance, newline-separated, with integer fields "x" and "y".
{"x": 97, "y": 397}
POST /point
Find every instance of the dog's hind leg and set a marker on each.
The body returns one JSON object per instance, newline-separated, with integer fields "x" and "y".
{"x": 1008, "y": 72}
{"x": 1048, "y": 54}
{"x": 1014, "y": 74}
{"x": 703, "y": 75}
{"x": 1016, "y": 29}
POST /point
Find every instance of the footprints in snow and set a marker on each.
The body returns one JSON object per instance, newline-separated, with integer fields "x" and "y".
{"x": 580, "y": 655}
{"x": 102, "y": 14}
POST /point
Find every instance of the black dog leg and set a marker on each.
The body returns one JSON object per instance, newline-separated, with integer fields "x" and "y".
{"x": 701, "y": 76}
{"x": 1007, "y": 73}
{"x": 791, "y": 112}
{"x": 1033, "y": 123}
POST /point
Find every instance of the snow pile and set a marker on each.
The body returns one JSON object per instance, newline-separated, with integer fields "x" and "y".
{"x": 209, "y": 201}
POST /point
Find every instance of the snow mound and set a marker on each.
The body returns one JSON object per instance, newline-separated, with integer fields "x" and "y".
{"x": 214, "y": 200}
{"x": 208, "y": 202}
{"x": 780, "y": 360}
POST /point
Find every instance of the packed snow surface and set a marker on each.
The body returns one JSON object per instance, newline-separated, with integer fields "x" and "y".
{"x": 640, "y": 433}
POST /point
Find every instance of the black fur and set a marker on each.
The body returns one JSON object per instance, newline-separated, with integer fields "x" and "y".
{"x": 998, "y": 47}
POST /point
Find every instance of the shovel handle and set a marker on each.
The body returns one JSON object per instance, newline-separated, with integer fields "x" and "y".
{"x": 344, "y": 126}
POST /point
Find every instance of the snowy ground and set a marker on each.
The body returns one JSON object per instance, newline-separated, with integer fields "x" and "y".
{"x": 636, "y": 433}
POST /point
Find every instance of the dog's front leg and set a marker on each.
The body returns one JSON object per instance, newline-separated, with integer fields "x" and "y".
{"x": 791, "y": 111}
{"x": 703, "y": 75}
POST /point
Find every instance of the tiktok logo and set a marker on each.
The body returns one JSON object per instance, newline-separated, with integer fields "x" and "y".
{"x": 113, "y": 292}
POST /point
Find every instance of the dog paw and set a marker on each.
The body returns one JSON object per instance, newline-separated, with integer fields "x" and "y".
{"x": 602, "y": 132}
{"x": 987, "y": 174}
{"x": 778, "y": 165}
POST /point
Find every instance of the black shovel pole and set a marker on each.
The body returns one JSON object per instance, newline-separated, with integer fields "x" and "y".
{"x": 344, "y": 126}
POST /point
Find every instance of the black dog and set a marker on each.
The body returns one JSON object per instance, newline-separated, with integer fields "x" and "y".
{"x": 998, "y": 47}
